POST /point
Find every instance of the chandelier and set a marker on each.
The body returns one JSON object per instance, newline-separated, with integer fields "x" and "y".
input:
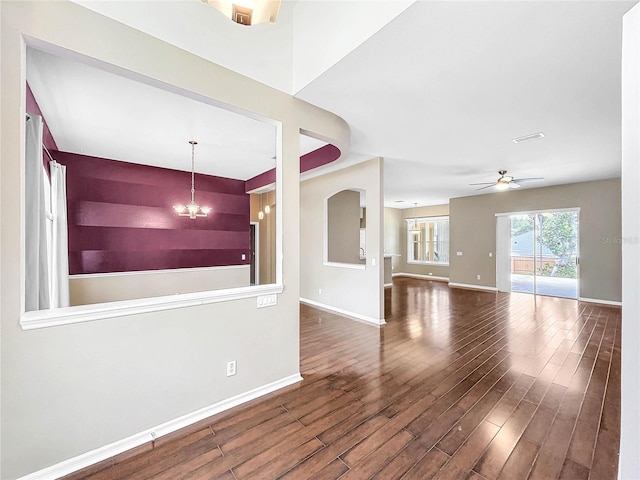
{"x": 192, "y": 209}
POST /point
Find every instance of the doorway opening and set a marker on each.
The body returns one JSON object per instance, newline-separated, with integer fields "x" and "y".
{"x": 253, "y": 265}
{"x": 541, "y": 257}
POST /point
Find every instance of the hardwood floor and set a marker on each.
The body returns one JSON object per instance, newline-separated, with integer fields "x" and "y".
{"x": 459, "y": 384}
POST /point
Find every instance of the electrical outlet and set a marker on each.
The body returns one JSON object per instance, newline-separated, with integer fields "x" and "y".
{"x": 491, "y": 254}
{"x": 319, "y": 291}
{"x": 244, "y": 256}
{"x": 459, "y": 254}
{"x": 477, "y": 277}
{"x": 231, "y": 368}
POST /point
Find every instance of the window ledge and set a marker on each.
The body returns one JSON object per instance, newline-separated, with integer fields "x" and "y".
{"x": 355, "y": 266}
{"x": 436, "y": 264}
{"x": 100, "y": 311}
{"x": 158, "y": 272}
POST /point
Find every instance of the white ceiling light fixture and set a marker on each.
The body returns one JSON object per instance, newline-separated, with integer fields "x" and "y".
{"x": 192, "y": 210}
{"x": 247, "y": 12}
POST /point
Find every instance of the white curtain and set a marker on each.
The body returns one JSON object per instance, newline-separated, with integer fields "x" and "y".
{"x": 442, "y": 247}
{"x": 36, "y": 264}
{"x": 46, "y": 245}
{"x": 59, "y": 262}
{"x": 503, "y": 253}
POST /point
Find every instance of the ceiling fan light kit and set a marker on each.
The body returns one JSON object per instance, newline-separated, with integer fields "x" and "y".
{"x": 505, "y": 182}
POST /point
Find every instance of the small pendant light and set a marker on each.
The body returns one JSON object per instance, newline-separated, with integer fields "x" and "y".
{"x": 267, "y": 207}
{"x": 260, "y": 213}
{"x": 415, "y": 229}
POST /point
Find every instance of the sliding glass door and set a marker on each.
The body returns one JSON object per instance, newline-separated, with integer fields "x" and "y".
{"x": 542, "y": 253}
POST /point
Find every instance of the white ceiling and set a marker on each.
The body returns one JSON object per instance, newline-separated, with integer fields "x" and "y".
{"x": 97, "y": 113}
{"x": 441, "y": 91}
{"x": 311, "y": 34}
{"x": 263, "y": 52}
{"x": 442, "y": 88}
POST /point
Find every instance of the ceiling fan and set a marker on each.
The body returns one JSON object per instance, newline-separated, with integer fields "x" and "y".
{"x": 506, "y": 181}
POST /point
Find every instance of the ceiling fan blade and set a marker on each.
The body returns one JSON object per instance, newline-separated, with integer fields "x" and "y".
{"x": 527, "y": 180}
{"x": 485, "y": 183}
{"x": 488, "y": 186}
{"x": 514, "y": 184}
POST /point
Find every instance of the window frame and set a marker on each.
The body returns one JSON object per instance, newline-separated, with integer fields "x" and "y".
{"x": 37, "y": 319}
{"x": 325, "y": 247}
{"x": 431, "y": 241}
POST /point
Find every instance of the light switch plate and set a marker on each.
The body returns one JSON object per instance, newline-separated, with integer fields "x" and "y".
{"x": 266, "y": 300}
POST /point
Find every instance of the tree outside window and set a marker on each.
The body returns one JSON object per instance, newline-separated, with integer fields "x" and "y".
{"x": 556, "y": 238}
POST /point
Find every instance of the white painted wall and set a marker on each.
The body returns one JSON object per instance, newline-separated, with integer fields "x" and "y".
{"x": 71, "y": 389}
{"x": 392, "y": 226}
{"x": 324, "y": 32}
{"x": 358, "y": 291}
{"x": 630, "y": 431}
{"x": 473, "y": 232}
{"x": 113, "y": 287}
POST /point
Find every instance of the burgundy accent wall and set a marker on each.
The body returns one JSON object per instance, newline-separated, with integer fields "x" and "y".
{"x": 265, "y": 178}
{"x": 120, "y": 218}
{"x": 47, "y": 138}
{"x": 319, "y": 157}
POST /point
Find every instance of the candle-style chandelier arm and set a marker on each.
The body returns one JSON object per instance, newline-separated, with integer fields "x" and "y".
{"x": 192, "y": 210}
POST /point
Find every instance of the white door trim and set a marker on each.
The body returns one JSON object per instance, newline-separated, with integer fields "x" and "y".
{"x": 256, "y": 241}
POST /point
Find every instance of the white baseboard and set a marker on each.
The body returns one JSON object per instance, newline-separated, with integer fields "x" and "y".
{"x": 420, "y": 276}
{"x": 602, "y": 302}
{"x": 473, "y": 287}
{"x": 99, "y": 454}
{"x": 356, "y": 316}
{"x": 388, "y": 285}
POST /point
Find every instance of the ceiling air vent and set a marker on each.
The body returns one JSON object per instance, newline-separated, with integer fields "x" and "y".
{"x": 526, "y": 138}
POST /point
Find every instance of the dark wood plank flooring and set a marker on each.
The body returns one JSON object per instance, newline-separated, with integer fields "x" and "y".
{"x": 459, "y": 384}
